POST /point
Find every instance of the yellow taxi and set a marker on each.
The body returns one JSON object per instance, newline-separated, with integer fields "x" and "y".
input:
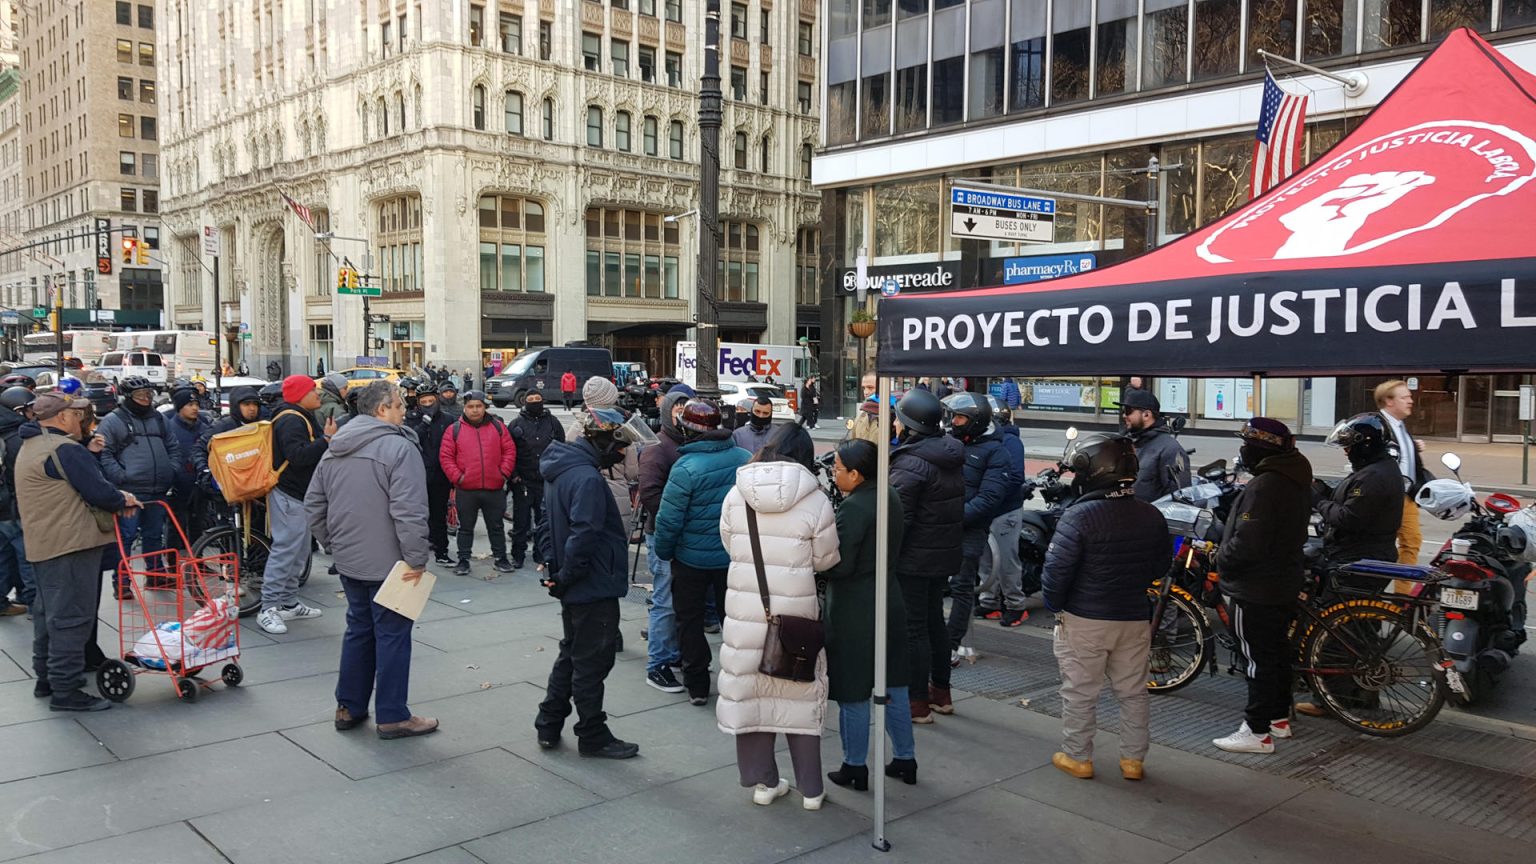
{"x": 359, "y": 376}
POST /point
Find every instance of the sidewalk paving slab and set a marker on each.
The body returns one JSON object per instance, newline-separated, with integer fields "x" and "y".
{"x": 395, "y": 816}
{"x": 450, "y": 855}
{"x": 17, "y": 705}
{"x": 176, "y": 842}
{"x": 703, "y": 819}
{"x": 11, "y": 668}
{"x": 1369, "y": 823}
{"x": 48, "y": 747}
{"x": 108, "y": 800}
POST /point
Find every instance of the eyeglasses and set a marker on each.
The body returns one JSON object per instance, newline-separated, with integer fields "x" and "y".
{"x": 1126, "y": 412}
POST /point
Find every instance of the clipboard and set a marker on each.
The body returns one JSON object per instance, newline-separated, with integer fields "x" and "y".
{"x": 405, "y": 599}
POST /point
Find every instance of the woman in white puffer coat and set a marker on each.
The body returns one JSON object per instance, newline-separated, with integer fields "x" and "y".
{"x": 798, "y": 535}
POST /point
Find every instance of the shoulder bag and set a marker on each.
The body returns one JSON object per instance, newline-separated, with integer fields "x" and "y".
{"x": 792, "y": 644}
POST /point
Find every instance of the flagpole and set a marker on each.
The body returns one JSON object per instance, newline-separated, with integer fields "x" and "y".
{"x": 1354, "y": 83}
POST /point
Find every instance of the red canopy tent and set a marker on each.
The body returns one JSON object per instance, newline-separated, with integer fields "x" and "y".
{"x": 1411, "y": 245}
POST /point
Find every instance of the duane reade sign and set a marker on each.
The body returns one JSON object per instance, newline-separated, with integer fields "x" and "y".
{"x": 927, "y": 276}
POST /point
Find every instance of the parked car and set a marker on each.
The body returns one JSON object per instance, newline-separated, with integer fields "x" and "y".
{"x": 736, "y": 393}
{"x": 116, "y": 365}
{"x": 359, "y": 376}
{"x": 541, "y": 369}
{"x": 95, "y": 386}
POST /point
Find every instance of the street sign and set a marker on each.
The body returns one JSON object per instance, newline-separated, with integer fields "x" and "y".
{"x": 362, "y": 291}
{"x": 1527, "y": 408}
{"x": 378, "y": 318}
{"x": 890, "y": 288}
{"x": 977, "y": 214}
{"x": 39, "y": 312}
{"x": 245, "y": 336}
{"x": 211, "y": 243}
{"x": 103, "y": 247}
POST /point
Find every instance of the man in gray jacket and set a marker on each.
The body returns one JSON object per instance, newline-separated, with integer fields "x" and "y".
{"x": 374, "y": 473}
{"x": 1164, "y": 464}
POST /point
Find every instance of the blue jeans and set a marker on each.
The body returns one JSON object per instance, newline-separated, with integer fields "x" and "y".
{"x": 662, "y": 626}
{"x": 375, "y": 656}
{"x": 146, "y": 525}
{"x": 853, "y": 727}
{"x": 15, "y": 572}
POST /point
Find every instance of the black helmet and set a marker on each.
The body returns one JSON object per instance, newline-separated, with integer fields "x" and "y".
{"x": 271, "y": 394}
{"x": 975, "y": 409}
{"x": 1101, "y": 463}
{"x": 426, "y": 388}
{"x": 921, "y": 413}
{"x": 409, "y": 384}
{"x": 133, "y": 383}
{"x": 17, "y": 397}
{"x": 16, "y": 379}
{"x": 699, "y": 417}
{"x": 1364, "y": 438}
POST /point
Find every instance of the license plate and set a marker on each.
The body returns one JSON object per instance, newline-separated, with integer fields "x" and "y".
{"x": 1458, "y": 598}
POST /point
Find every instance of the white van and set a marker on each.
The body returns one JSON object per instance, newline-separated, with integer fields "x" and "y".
{"x": 117, "y": 365}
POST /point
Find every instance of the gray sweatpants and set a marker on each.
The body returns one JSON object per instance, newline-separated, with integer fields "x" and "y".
{"x": 1089, "y": 651}
{"x": 290, "y": 549}
{"x": 1002, "y": 573}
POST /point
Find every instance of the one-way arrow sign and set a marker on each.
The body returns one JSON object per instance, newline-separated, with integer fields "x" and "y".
{"x": 969, "y": 223}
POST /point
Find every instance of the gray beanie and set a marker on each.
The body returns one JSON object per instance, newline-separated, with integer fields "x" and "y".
{"x": 599, "y": 392}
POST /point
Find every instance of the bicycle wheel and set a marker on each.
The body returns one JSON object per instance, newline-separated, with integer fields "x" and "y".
{"x": 1374, "y": 669}
{"x": 1180, "y": 642}
{"x": 252, "y": 558}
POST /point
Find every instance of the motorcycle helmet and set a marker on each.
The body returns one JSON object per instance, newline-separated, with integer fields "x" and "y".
{"x": 1446, "y": 498}
{"x": 920, "y": 413}
{"x": 271, "y": 394}
{"x": 1101, "y": 463}
{"x": 609, "y": 432}
{"x": 699, "y": 418}
{"x": 1364, "y": 437}
{"x": 17, "y": 398}
{"x": 69, "y": 385}
{"x": 18, "y": 380}
{"x": 975, "y": 409}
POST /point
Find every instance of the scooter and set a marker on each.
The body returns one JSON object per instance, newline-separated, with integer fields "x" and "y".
{"x": 1482, "y": 613}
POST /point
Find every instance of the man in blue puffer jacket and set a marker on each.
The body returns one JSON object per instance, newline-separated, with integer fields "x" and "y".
{"x": 1107, "y": 549}
{"x": 991, "y": 488}
{"x": 688, "y": 532}
{"x": 1002, "y": 595}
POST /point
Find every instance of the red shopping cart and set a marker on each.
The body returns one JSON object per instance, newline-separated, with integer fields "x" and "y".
{"x": 181, "y": 617}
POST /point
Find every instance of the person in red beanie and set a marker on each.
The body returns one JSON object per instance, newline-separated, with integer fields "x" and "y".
{"x": 298, "y": 442}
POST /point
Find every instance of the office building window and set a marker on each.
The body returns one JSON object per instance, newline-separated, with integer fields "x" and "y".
{"x": 594, "y": 126}
{"x": 740, "y": 162}
{"x": 511, "y": 29}
{"x": 546, "y": 39}
{"x": 127, "y": 163}
{"x": 805, "y": 161}
{"x": 674, "y": 69}
{"x": 764, "y": 152}
{"x": 147, "y": 17}
{"x": 147, "y": 54}
{"x": 125, "y": 13}
{"x": 477, "y": 25}
{"x": 124, "y": 51}
{"x": 911, "y": 98}
{"x": 384, "y": 42}
{"x": 648, "y": 64}
{"x": 591, "y": 51}
{"x": 807, "y": 241}
{"x": 398, "y": 244}
{"x": 619, "y": 51}
{"x": 648, "y": 7}
{"x": 631, "y": 253}
{"x": 1218, "y": 25}
{"x": 125, "y": 128}
{"x": 128, "y": 200}
{"x": 649, "y": 136}
{"x": 1164, "y": 43}
{"x": 675, "y": 139}
{"x": 740, "y": 258}
{"x": 151, "y": 199}
{"x": 805, "y": 41}
{"x": 511, "y": 244}
{"x": 514, "y": 113}
{"x": 147, "y": 128}
{"x": 621, "y": 131}
{"x": 477, "y": 107}
{"x": 739, "y": 83}
{"x": 674, "y": 10}
{"x": 125, "y": 88}
{"x": 149, "y": 166}
{"x": 738, "y": 20}
{"x": 803, "y": 96}
{"x": 763, "y": 88}
{"x": 147, "y": 92}
{"x": 549, "y": 119}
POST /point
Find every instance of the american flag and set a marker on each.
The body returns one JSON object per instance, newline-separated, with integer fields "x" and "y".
{"x": 299, "y": 210}
{"x": 1277, "y": 146}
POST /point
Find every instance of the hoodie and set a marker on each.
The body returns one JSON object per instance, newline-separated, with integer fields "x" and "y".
{"x": 656, "y": 461}
{"x": 232, "y": 420}
{"x": 371, "y": 467}
{"x": 333, "y": 398}
{"x": 585, "y": 543}
{"x": 1261, "y": 558}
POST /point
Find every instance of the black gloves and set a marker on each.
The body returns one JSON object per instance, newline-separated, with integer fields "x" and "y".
{"x": 1320, "y": 492}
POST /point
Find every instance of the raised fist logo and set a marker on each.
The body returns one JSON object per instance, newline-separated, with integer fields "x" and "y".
{"x": 1324, "y": 226}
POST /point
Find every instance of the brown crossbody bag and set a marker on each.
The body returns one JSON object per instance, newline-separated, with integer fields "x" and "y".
{"x": 792, "y": 644}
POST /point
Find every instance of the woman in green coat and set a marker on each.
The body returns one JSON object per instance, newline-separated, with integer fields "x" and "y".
{"x": 850, "y": 624}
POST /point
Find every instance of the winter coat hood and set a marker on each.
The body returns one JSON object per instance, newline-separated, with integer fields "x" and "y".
{"x": 558, "y": 460}
{"x": 363, "y": 431}
{"x": 774, "y": 487}
{"x": 370, "y": 468}
{"x": 1289, "y": 464}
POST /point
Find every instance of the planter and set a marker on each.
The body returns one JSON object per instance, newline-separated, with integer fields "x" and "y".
{"x": 862, "y": 329}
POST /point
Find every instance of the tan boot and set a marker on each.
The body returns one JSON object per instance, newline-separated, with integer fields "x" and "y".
{"x": 1310, "y": 709}
{"x": 920, "y": 711}
{"x": 1130, "y": 769}
{"x": 408, "y": 728}
{"x": 1079, "y": 769}
{"x": 939, "y": 701}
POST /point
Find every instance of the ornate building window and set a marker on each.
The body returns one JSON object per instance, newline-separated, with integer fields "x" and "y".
{"x": 511, "y": 244}
{"x": 631, "y": 253}
{"x": 594, "y": 126}
{"x": 514, "y": 113}
{"x": 549, "y": 119}
{"x": 740, "y": 259}
{"x": 807, "y": 242}
{"x": 649, "y": 136}
{"x": 477, "y": 107}
{"x": 398, "y": 243}
{"x": 675, "y": 140}
{"x": 621, "y": 131}
{"x": 740, "y": 162}
{"x": 765, "y": 153}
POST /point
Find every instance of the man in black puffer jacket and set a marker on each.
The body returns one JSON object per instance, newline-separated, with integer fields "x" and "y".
{"x": 1360, "y": 524}
{"x": 533, "y": 430}
{"x": 1262, "y": 568}
{"x": 989, "y": 487}
{"x": 926, "y": 469}
{"x": 1107, "y": 549}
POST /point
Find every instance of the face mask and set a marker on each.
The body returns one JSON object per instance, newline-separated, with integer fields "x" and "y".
{"x": 429, "y": 410}
{"x": 1251, "y": 455}
{"x": 760, "y": 423}
{"x": 534, "y": 409}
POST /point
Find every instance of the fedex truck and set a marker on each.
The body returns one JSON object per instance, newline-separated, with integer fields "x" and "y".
{"x": 739, "y": 361}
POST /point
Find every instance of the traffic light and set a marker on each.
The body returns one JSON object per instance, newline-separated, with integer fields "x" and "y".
{"x": 143, "y": 253}
{"x": 341, "y": 278}
{"x": 130, "y": 246}
{"x": 352, "y": 281}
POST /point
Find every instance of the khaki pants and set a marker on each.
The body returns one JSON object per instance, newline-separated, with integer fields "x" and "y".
{"x": 1089, "y": 651}
{"x": 1409, "y": 537}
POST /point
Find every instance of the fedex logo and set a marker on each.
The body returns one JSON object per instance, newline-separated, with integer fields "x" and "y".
{"x": 754, "y": 363}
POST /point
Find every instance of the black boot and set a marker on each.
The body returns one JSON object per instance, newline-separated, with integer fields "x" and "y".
{"x": 906, "y": 769}
{"x": 854, "y": 776}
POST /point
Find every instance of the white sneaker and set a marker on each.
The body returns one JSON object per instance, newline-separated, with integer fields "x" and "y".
{"x": 1281, "y": 728}
{"x": 764, "y": 795}
{"x": 298, "y": 610}
{"x": 270, "y": 621}
{"x": 814, "y": 803}
{"x": 1244, "y": 740}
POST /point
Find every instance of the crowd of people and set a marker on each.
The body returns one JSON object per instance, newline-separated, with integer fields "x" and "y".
{"x": 737, "y": 527}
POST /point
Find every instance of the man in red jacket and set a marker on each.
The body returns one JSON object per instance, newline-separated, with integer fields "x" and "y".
{"x": 568, "y": 384}
{"x": 478, "y": 456}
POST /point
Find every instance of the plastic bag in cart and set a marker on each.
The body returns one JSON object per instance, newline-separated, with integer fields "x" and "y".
{"x": 212, "y": 627}
{"x": 167, "y": 643}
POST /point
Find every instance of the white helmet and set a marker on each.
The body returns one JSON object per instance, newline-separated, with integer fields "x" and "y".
{"x": 1446, "y": 498}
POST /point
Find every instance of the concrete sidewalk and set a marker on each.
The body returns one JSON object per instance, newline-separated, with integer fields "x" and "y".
{"x": 257, "y": 774}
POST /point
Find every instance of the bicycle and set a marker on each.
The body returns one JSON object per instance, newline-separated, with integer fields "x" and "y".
{"x": 239, "y": 531}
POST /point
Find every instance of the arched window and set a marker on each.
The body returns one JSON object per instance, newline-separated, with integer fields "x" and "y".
{"x": 741, "y": 151}
{"x": 549, "y": 119}
{"x": 675, "y": 139}
{"x": 649, "y": 136}
{"x": 514, "y": 113}
{"x": 594, "y": 126}
{"x": 477, "y": 107}
{"x": 621, "y": 131}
